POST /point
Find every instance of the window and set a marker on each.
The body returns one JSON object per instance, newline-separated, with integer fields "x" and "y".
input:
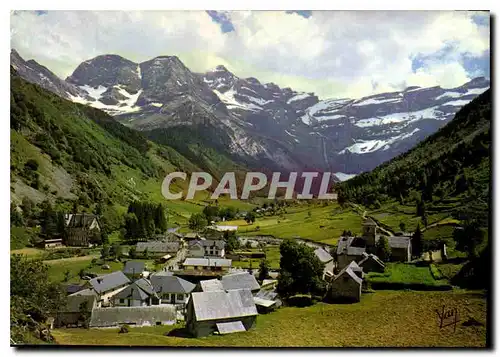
{"x": 180, "y": 297}
{"x": 122, "y": 301}
{"x": 158, "y": 323}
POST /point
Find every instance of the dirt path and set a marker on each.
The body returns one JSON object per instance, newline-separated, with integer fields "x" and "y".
{"x": 72, "y": 259}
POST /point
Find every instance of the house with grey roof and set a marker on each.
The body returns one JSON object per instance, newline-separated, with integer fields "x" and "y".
{"x": 346, "y": 285}
{"x": 211, "y": 264}
{"x": 370, "y": 263}
{"x": 350, "y": 249}
{"x": 400, "y": 248}
{"x": 220, "y": 312}
{"x": 77, "y": 306}
{"x": 134, "y": 316}
{"x": 108, "y": 285}
{"x": 206, "y": 248}
{"x": 240, "y": 280}
{"x": 139, "y": 293}
{"x": 326, "y": 259}
{"x": 171, "y": 289}
{"x": 134, "y": 269}
{"x": 158, "y": 248}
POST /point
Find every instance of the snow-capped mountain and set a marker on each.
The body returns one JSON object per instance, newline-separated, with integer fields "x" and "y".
{"x": 261, "y": 122}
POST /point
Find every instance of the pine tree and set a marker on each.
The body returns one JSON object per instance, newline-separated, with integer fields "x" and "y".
{"x": 416, "y": 242}
{"x": 383, "y": 249}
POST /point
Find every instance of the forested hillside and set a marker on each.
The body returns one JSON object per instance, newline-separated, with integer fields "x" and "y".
{"x": 449, "y": 170}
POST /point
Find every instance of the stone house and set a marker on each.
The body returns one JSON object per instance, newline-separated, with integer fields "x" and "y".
{"x": 171, "y": 289}
{"x": 81, "y": 229}
{"x": 51, "y": 243}
{"x": 157, "y": 249}
{"x": 139, "y": 293}
{"x": 77, "y": 304}
{"x": 207, "y": 264}
{"x": 206, "y": 248}
{"x": 209, "y": 285}
{"x": 134, "y": 316}
{"x": 400, "y": 248}
{"x": 346, "y": 285}
{"x": 350, "y": 249}
{"x": 108, "y": 285}
{"x": 370, "y": 263}
{"x": 220, "y": 312}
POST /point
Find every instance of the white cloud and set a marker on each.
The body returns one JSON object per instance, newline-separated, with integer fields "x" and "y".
{"x": 333, "y": 53}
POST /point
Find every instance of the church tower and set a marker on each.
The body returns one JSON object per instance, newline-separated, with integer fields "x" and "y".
{"x": 369, "y": 232}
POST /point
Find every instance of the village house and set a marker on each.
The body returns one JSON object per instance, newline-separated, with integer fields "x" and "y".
{"x": 349, "y": 249}
{"x": 210, "y": 264}
{"x": 192, "y": 236}
{"x": 171, "y": 289}
{"x": 400, "y": 248}
{"x": 220, "y": 312}
{"x": 346, "y": 285}
{"x": 158, "y": 249}
{"x": 371, "y": 262}
{"x": 206, "y": 248}
{"x": 139, "y": 293}
{"x": 134, "y": 316}
{"x": 108, "y": 285}
{"x": 266, "y": 300}
{"x": 51, "y": 243}
{"x": 240, "y": 280}
{"x": 81, "y": 229}
{"x": 77, "y": 305}
{"x": 134, "y": 269}
{"x": 352, "y": 248}
{"x": 326, "y": 259}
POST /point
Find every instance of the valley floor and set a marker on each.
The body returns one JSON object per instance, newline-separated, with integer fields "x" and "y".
{"x": 381, "y": 319}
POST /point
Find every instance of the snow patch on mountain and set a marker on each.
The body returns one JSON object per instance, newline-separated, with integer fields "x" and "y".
{"x": 458, "y": 103}
{"x": 376, "y": 101}
{"x": 343, "y": 177}
{"x": 408, "y": 117}
{"x": 95, "y": 93}
{"x": 297, "y": 97}
{"x": 231, "y": 102}
{"x": 369, "y": 146}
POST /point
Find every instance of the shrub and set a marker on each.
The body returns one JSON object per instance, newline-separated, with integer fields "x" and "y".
{"x": 300, "y": 300}
{"x": 124, "y": 329}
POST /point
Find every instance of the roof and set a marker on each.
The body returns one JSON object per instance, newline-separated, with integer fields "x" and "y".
{"x": 191, "y": 235}
{"x": 211, "y": 285}
{"x": 242, "y": 280}
{"x": 212, "y": 262}
{"x": 138, "y": 290}
{"x": 167, "y": 283}
{"x": 398, "y": 242}
{"x": 209, "y": 243}
{"x": 55, "y": 240}
{"x": 230, "y": 327}
{"x": 109, "y": 281}
{"x": 132, "y": 267}
{"x": 371, "y": 257}
{"x": 158, "y": 247}
{"x": 223, "y": 228}
{"x": 74, "y": 301}
{"x": 263, "y": 302}
{"x": 323, "y": 255}
{"x": 350, "y": 246}
{"x": 74, "y": 288}
{"x": 349, "y": 270}
{"x": 214, "y": 305}
{"x": 113, "y": 316}
{"x": 81, "y": 220}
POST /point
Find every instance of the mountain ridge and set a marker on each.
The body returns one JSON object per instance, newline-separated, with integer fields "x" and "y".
{"x": 266, "y": 123}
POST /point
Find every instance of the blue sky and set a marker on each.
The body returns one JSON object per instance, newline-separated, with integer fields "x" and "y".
{"x": 331, "y": 53}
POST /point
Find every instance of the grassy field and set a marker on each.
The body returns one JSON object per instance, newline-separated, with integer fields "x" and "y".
{"x": 381, "y": 319}
{"x": 315, "y": 222}
{"x": 401, "y": 273}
